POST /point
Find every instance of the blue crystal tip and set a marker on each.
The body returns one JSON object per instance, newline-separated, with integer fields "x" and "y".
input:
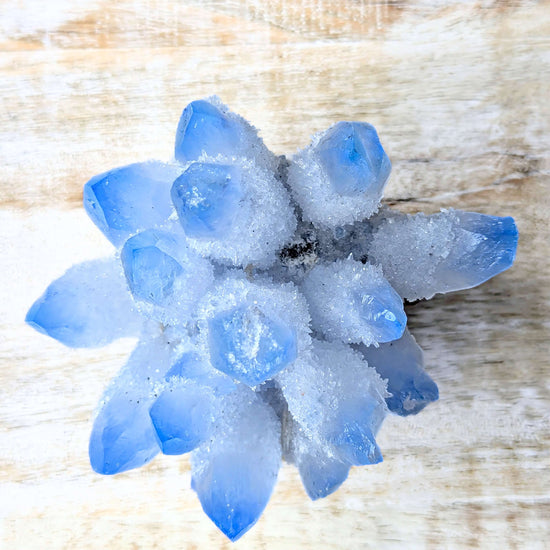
{"x": 204, "y": 128}
{"x": 354, "y": 159}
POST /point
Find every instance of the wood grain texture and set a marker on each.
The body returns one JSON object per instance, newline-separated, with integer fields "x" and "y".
{"x": 459, "y": 94}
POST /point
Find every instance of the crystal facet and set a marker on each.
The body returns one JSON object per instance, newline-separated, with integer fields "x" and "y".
{"x": 401, "y": 363}
{"x": 181, "y": 417}
{"x": 206, "y": 198}
{"x": 353, "y": 158}
{"x": 204, "y": 129}
{"x": 149, "y": 270}
{"x": 127, "y": 199}
{"x": 233, "y": 475}
{"x": 249, "y": 346}
{"x": 123, "y": 436}
{"x": 88, "y": 306}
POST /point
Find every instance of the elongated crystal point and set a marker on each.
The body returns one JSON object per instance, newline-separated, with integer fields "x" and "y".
{"x": 234, "y": 473}
{"x": 88, "y": 306}
{"x": 204, "y": 129}
{"x": 125, "y": 200}
{"x": 451, "y": 250}
{"x": 353, "y": 302}
{"x": 401, "y": 363}
{"x": 123, "y": 436}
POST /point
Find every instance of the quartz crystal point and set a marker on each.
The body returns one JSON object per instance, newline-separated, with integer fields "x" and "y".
{"x": 219, "y": 204}
{"x": 235, "y": 472}
{"x": 340, "y": 176}
{"x": 401, "y": 363}
{"x": 249, "y": 346}
{"x": 452, "y": 250}
{"x": 206, "y": 198}
{"x": 338, "y": 401}
{"x": 123, "y": 436}
{"x": 353, "y": 302}
{"x": 267, "y": 294}
{"x": 353, "y": 159}
{"x": 180, "y": 416}
{"x": 165, "y": 277}
{"x": 89, "y": 306}
{"x": 321, "y": 471}
{"x": 204, "y": 128}
{"x": 128, "y": 199}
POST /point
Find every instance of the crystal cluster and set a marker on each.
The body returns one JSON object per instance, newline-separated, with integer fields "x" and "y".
{"x": 267, "y": 295}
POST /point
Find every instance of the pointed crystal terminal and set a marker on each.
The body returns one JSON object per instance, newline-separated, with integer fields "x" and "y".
{"x": 125, "y": 200}
{"x": 206, "y": 198}
{"x": 321, "y": 476}
{"x": 352, "y": 434}
{"x": 353, "y": 302}
{"x": 401, "y": 363}
{"x": 320, "y": 470}
{"x": 88, "y": 306}
{"x": 181, "y": 416}
{"x": 204, "y": 129}
{"x": 380, "y": 307}
{"x": 495, "y": 251}
{"x": 249, "y": 346}
{"x": 123, "y": 436}
{"x": 353, "y": 158}
{"x": 234, "y": 473}
{"x": 452, "y": 250}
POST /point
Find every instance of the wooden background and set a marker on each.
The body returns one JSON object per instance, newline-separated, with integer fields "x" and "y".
{"x": 460, "y": 94}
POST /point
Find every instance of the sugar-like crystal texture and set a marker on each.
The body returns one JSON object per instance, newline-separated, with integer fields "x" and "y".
{"x": 267, "y": 295}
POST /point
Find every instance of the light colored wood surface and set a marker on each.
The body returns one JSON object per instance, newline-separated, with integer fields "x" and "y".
{"x": 459, "y": 92}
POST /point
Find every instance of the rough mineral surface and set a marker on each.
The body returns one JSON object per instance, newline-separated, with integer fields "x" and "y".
{"x": 267, "y": 295}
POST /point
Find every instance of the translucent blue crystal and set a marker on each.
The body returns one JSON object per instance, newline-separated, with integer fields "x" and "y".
{"x": 401, "y": 362}
{"x": 204, "y": 128}
{"x": 352, "y": 434}
{"x": 495, "y": 251}
{"x": 88, "y": 306}
{"x": 235, "y": 471}
{"x": 249, "y": 346}
{"x": 181, "y": 417}
{"x": 321, "y": 475}
{"x": 123, "y": 436}
{"x": 206, "y": 198}
{"x": 149, "y": 270}
{"x": 353, "y": 158}
{"x": 125, "y": 200}
{"x": 236, "y": 496}
{"x": 381, "y": 308}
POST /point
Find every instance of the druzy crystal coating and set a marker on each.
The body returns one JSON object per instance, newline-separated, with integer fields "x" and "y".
{"x": 267, "y": 296}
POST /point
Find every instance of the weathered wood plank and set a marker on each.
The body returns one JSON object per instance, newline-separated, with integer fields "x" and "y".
{"x": 458, "y": 92}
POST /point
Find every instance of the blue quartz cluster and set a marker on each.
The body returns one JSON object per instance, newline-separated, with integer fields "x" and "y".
{"x": 267, "y": 296}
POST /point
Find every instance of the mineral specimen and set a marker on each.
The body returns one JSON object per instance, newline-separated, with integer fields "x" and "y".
{"x": 267, "y": 295}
